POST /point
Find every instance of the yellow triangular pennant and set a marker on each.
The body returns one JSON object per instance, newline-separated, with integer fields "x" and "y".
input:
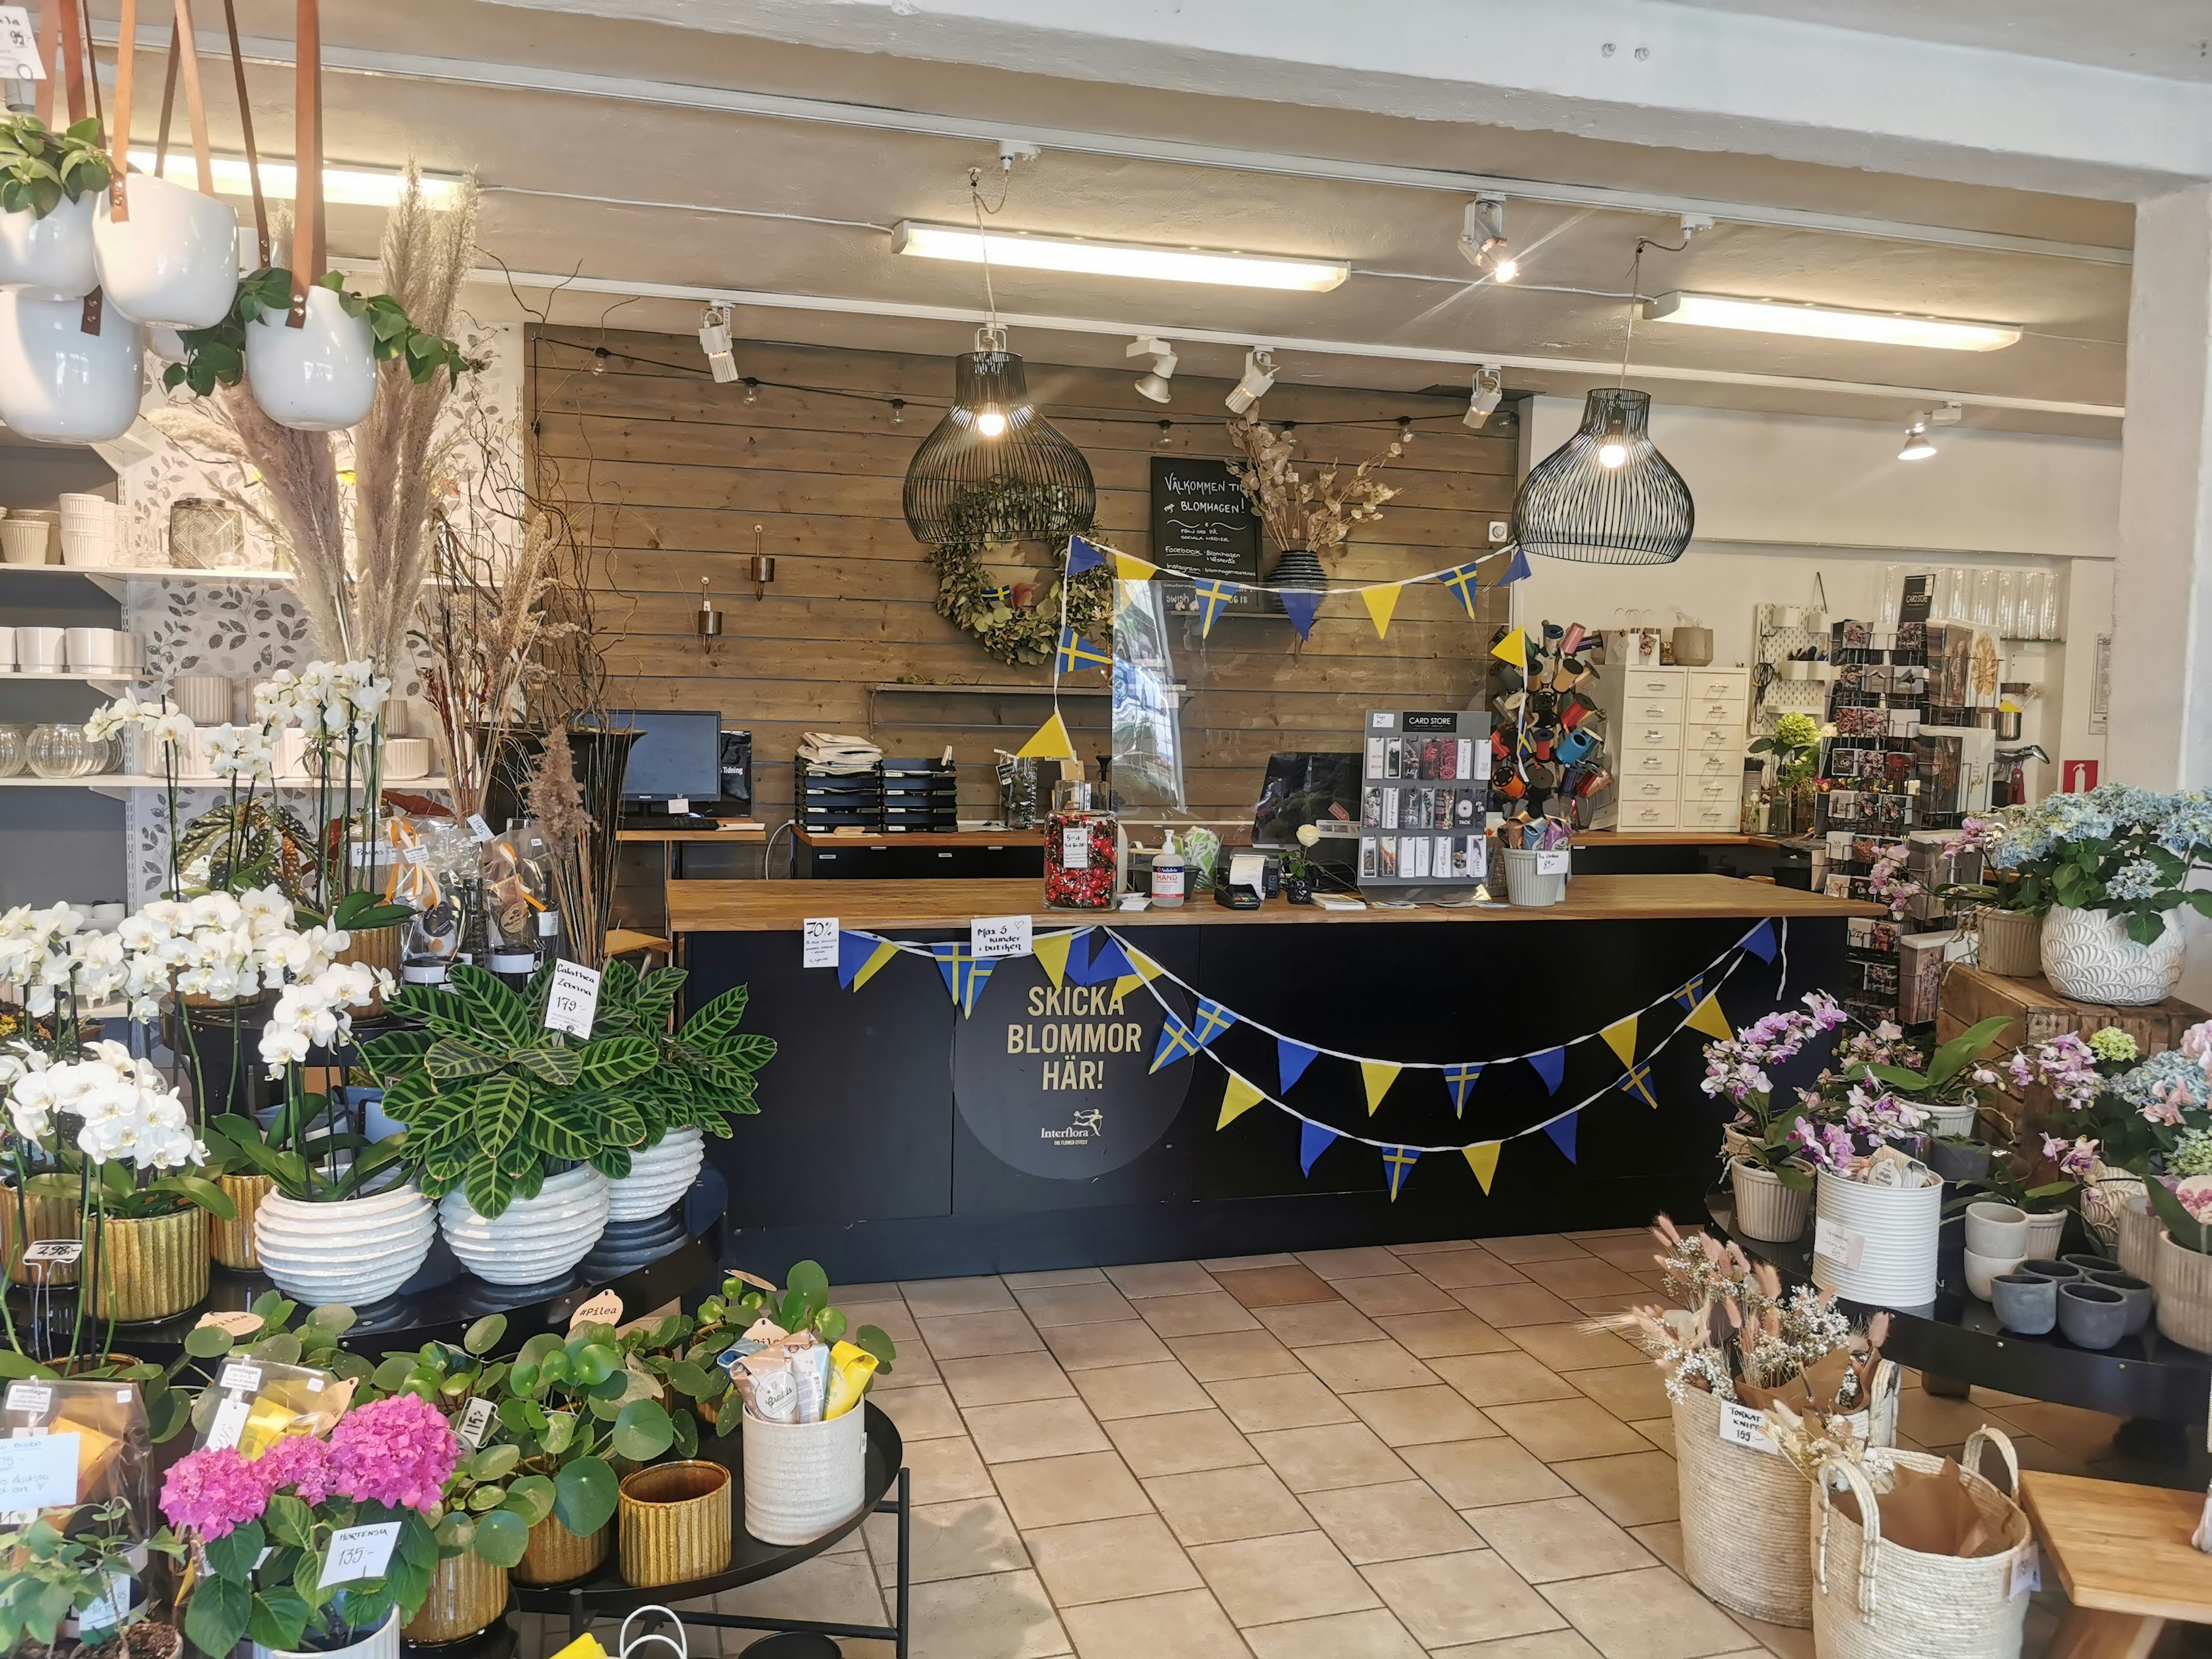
{"x": 1513, "y": 648}
{"x": 1051, "y": 951}
{"x": 1620, "y": 1037}
{"x": 1238, "y": 1098}
{"x": 1483, "y": 1160}
{"x": 1147, "y": 970}
{"x": 1381, "y": 604}
{"x": 1128, "y": 568}
{"x": 1379, "y": 1075}
{"x": 1051, "y": 742}
{"x": 1707, "y": 1017}
{"x": 876, "y": 957}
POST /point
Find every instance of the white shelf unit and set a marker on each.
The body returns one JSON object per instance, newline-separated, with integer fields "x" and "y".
{"x": 116, "y": 785}
{"x": 115, "y": 580}
{"x": 110, "y": 682}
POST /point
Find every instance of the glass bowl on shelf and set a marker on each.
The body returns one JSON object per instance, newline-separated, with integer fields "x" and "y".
{"x": 63, "y": 750}
{"x": 14, "y": 740}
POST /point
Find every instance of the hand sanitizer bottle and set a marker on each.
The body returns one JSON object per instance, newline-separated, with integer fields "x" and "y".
{"x": 1168, "y": 875}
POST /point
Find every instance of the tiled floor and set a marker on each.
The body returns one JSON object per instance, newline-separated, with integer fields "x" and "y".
{"x": 1359, "y": 1453}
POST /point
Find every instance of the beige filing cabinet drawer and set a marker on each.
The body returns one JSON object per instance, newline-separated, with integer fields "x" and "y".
{"x": 1644, "y": 789}
{"x": 1649, "y": 682}
{"x": 1649, "y": 763}
{"x": 1698, "y": 815}
{"x": 1647, "y": 815}
{"x": 1703, "y": 684}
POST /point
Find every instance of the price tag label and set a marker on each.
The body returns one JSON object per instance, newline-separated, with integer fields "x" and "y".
{"x": 238, "y": 1321}
{"x": 604, "y": 1309}
{"x": 230, "y": 1424}
{"x": 476, "y": 1422}
{"x": 1379, "y": 718}
{"x": 478, "y": 828}
{"x": 818, "y": 942}
{"x": 2027, "y": 1570}
{"x": 1478, "y": 863}
{"x": 55, "y": 1252}
{"x": 38, "y": 1473}
{"x": 239, "y": 1379}
{"x": 1842, "y": 1245}
{"x": 1557, "y": 862}
{"x": 1742, "y": 1426}
{"x": 994, "y": 937}
{"x": 107, "y": 1607}
{"x": 19, "y": 46}
{"x": 573, "y": 1001}
{"x": 33, "y": 1397}
{"x": 549, "y": 924}
{"x": 359, "y": 1553}
{"x": 1075, "y": 848}
{"x": 679, "y": 804}
{"x": 415, "y": 854}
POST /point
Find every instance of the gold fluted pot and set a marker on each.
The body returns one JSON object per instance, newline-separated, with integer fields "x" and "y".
{"x": 151, "y": 1268}
{"x": 557, "y": 1556}
{"x": 49, "y": 1215}
{"x": 467, "y": 1595}
{"x": 231, "y": 1243}
{"x": 675, "y": 1522}
{"x": 374, "y": 947}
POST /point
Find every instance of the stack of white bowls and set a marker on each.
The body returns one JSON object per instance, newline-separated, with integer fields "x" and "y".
{"x": 90, "y": 531}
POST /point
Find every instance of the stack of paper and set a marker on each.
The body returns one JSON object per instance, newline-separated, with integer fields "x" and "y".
{"x": 829, "y": 751}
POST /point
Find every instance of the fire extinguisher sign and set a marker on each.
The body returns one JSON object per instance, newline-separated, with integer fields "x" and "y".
{"x": 2077, "y": 777}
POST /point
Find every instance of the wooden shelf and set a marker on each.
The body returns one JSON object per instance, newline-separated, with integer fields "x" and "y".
{"x": 996, "y": 690}
{"x": 926, "y": 838}
{"x": 41, "y": 677}
{"x": 731, "y": 835}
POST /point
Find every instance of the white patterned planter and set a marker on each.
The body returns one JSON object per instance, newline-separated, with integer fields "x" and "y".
{"x": 175, "y": 261}
{"x": 48, "y": 258}
{"x": 1896, "y": 1228}
{"x": 355, "y": 1252}
{"x": 382, "y": 1642}
{"x": 2087, "y": 956}
{"x": 317, "y": 378}
{"x": 659, "y": 1177}
{"x": 802, "y": 1479}
{"x": 533, "y": 1239}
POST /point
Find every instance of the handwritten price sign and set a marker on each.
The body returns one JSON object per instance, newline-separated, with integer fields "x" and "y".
{"x": 818, "y": 942}
{"x": 38, "y": 1473}
{"x": 359, "y": 1553}
{"x": 573, "y": 999}
{"x": 19, "y": 46}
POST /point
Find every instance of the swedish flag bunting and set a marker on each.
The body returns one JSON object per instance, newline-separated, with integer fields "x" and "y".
{"x": 1382, "y": 604}
{"x": 1237, "y": 1098}
{"x": 1176, "y": 1043}
{"x": 1461, "y": 579}
{"x": 1213, "y": 1020}
{"x": 1516, "y": 568}
{"x": 1299, "y": 605}
{"x": 1460, "y": 1079}
{"x": 1707, "y": 1017}
{"x": 1396, "y": 1160}
{"x": 1128, "y": 568}
{"x": 1637, "y": 1081}
{"x": 1688, "y": 995}
{"x": 1213, "y": 594}
{"x": 859, "y": 957}
{"x": 1076, "y": 652}
{"x": 1620, "y": 1037}
{"x": 1483, "y": 1160}
{"x": 963, "y": 974}
{"x": 1084, "y": 556}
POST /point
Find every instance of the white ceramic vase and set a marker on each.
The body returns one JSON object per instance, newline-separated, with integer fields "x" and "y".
{"x": 2044, "y": 1230}
{"x": 61, "y": 385}
{"x": 1950, "y": 1119}
{"x": 802, "y": 1479}
{"x": 320, "y": 377}
{"x": 354, "y": 1252}
{"x": 50, "y": 257}
{"x": 1764, "y": 1208}
{"x": 2087, "y": 956}
{"x": 382, "y": 1642}
{"x": 1895, "y": 1229}
{"x": 659, "y": 1177}
{"x": 533, "y": 1239}
{"x": 175, "y": 261}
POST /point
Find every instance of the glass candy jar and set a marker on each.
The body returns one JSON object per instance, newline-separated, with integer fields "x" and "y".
{"x": 1080, "y": 840}
{"x": 63, "y": 751}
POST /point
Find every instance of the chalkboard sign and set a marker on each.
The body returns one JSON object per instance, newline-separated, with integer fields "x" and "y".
{"x": 1202, "y": 525}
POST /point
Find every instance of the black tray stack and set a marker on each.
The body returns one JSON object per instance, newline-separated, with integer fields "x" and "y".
{"x": 829, "y": 800}
{"x": 919, "y": 794}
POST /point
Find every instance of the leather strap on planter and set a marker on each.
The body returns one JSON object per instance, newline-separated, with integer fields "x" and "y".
{"x": 118, "y": 137}
{"x": 195, "y": 102}
{"x": 72, "y": 59}
{"x": 184, "y": 52}
{"x": 245, "y": 127}
{"x": 307, "y": 158}
{"x": 168, "y": 108}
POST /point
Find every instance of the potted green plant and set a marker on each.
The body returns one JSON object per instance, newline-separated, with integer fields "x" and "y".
{"x": 1298, "y": 866}
{"x": 2005, "y": 909}
{"x": 48, "y": 181}
{"x": 69, "y": 1576}
{"x": 1767, "y": 1171}
{"x": 1794, "y": 747}
{"x": 348, "y": 335}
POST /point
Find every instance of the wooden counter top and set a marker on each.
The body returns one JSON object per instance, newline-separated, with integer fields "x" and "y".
{"x": 713, "y": 907}
{"x": 1031, "y": 838}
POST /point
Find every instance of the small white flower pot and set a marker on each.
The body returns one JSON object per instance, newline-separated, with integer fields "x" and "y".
{"x": 659, "y": 1177}
{"x": 2087, "y": 956}
{"x": 1953, "y": 1121}
{"x": 1764, "y": 1208}
{"x": 354, "y": 1252}
{"x": 1996, "y": 1230}
{"x": 61, "y": 385}
{"x": 51, "y": 258}
{"x": 320, "y": 377}
{"x": 1896, "y": 1228}
{"x": 802, "y": 1479}
{"x": 382, "y": 1642}
{"x": 2044, "y": 1233}
{"x": 175, "y": 261}
{"x": 533, "y": 1239}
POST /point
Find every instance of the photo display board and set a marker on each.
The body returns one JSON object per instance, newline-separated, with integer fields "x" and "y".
{"x": 1424, "y": 788}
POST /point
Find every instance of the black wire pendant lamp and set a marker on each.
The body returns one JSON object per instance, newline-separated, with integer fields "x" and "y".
{"x": 1607, "y": 496}
{"x": 994, "y": 469}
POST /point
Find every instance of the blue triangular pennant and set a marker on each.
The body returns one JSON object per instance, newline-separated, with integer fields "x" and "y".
{"x": 1109, "y": 963}
{"x": 1551, "y": 1066}
{"x": 1176, "y": 1043}
{"x": 1460, "y": 1079}
{"x": 963, "y": 974}
{"x": 1083, "y": 556}
{"x": 1213, "y": 1019}
{"x": 1759, "y": 941}
{"x": 1562, "y": 1132}
{"x": 1313, "y": 1141}
{"x": 1637, "y": 1081}
{"x": 1397, "y": 1161}
{"x": 1516, "y": 568}
{"x": 859, "y": 955}
{"x": 1292, "y": 1059}
{"x": 1299, "y": 605}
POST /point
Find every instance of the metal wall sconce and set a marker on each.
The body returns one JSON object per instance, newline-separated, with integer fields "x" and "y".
{"x": 762, "y": 570}
{"x": 709, "y": 620}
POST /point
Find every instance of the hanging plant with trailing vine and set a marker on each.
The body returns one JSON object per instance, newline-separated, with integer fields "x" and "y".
{"x": 967, "y": 597}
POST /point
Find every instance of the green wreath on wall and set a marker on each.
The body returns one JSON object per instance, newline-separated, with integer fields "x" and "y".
{"x": 1027, "y": 635}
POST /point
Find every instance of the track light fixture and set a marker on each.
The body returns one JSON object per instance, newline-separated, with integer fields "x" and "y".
{"x": 1919, "y": 445}
{"x": 1482, "y": 240}
{"x": 1489, "y": 392}
{"x": 1154, "y": 386}
{"x": 1258, "y": 375}
{"x": 715, "y": 341}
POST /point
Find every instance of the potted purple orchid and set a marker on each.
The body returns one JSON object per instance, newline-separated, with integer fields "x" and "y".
{"x": 1771, "y": 1181}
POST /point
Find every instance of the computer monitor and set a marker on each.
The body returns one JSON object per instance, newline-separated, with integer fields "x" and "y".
{"x": 1307, "y": 786}
{"x": 677, "y": 755}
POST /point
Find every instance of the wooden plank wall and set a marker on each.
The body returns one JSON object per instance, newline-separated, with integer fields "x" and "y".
{"x": 678, "y": 471}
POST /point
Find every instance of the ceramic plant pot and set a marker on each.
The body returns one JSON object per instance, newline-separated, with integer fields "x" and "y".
{"x": 557, "y": 1556}
{"x": 2087, "y": 956}
{"x": 151, "y": 1268}
{"x": 1947, "y": 1120}
{"x": 2184, "y": 1282}
{"x": 50, "y": 259}
{"x": 659, "y": 1177}
{"x": 2137, "y": 1295}
{"x": 2011, "y": 943}
{"x": 2092, "y": 1316}
{"x": 173, "y": 261}
{"x": 802, "y": 1479}
{"x": 61, "y": 385}
{"x": 675, "y": 1521}
{"x": 231, "y": 1243}
{"x": 1996, "y": 1230}
{"x": 2138, "y": 1230}
{"x": 1766, "y": 1208}
{"x": 355, "y": 1252}
{"x": 2046, "y": 1228}
{"x": 1897, "y": 1228}
{"x": 382, "y": 1642}
{"x": 534, "y": 1239}
{"x": 1984, "y": 1271}
{"x": 320, "y": 377}
{"x": 2024, "y": 1303}
{"x": 467, "y": 1595}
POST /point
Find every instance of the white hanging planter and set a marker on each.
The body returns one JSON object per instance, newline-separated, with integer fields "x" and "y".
{"x": 320, "y": 377}
{"x": 61, "y": 385}
{"x": 49, "y": 257}
{"x": 354, "y": 1252}
{"x": 174, "y": 260}
{"x": 2087, "y": 956}
{"x": 658, "y": 1175}
{"x": 382, "y": 1642}
{"x": 533, "y": 1239}
{"x": 1893, "y": 1230}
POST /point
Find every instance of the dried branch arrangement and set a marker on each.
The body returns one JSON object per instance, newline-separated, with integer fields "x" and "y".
{"x": 555, "y": 801}
{"x": 1316, "y": 507}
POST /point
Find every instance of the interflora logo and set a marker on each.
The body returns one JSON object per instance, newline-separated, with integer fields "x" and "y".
{"x": 1083, "y": 1127}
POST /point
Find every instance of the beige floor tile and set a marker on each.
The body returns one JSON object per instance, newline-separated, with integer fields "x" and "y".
{"x": 1430, "y": 1246}
{"x": 1332, "y": 1455}
{"x": 1632, "y": 1255}
{"x": 1415, "y": 1417}
{"x": 1000, "y": 1379}
{"x": 1631, "y": 1488}
{"x": 1509, "y": 1305}
{"x": 1503, "y": 1379}
{"x": 1199, "y": 1314}
{"x": 1427, "y": 1335}
{"x": 1213, "y": 1506}
{"x": 1558, "y": 1538}
{"x": 1110, "y": 1560}
{"x": 1445, "y": 1599}
{"x": 1471, "y": 1475}
{"x": 946, "y": 1469}
{"x": 1179, "y": 1442}
{"x": 840, "y": 1588}
{"x": 915, "y": 1367}
{"x": 1578, "y": 1348}
{"x": 1582, "y": 1276}
{"x": 1255, "y": 1403}
{"x": 1533, "y": 1246}
{"x": 922, "y": 1413}
{"x": 929, "y": 1297}
{"x": 1453, "y": 1270}
{"x": 1238, "y": 1264}
{"x": 1305, "y": 1325}
{"x": 1162, "y": 1279}
{"x": 1365, "y": 1261}
{"x": 1268, "y": 1580}
{"x": 1120, "y": 1342}
{"x": 1631, "y": 1393}
{"x": 1663, "y": 1538}
{"x": 1612, "y": 1307}
{"x": 1053, "y": 1276}
{"x": 890, "y": 1314}
{"x": 1650, "y": 1615}
{"x": 966, "y": 1336}
{"x": 948, "y": 1541}
{"x": 1276, "y": 1287}
{"x": 2068, "y": 1429}
{"x": 1227, "y": 1354}
{"x": 1002, "y": 1615}
{"x": 1549, "y": 1644}
{"x": 1186, "y": 1626}
{"x": 1553, "y": 1429}
{"x": 1054, "y": 1491}
{"x": 1354, "y": 1367}
{"x": 1997, "y": 1397}
{"x": 1934, "y": 1420}
{"x": 1034, "y": 1428}
{"x": 1389, "y": 1522}
{"x": 1396, "y": 1293}
{"x": 844, "y": 1296}
{"x": 1792, "y": 1644}
{"x": 1140, "y": 1390}
{"x": 1374, "y": 1634}
{"x": 1073, "y": 1304}
{"x": 2035, "y": 1453}
{"x": 1660, "y": 1431}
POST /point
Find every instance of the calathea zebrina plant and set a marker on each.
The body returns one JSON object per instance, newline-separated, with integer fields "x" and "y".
{"x": 704, "y": 1072}
{"x": 490, "y": 1095}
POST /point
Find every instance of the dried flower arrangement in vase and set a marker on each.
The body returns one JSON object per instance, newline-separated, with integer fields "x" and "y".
{"x": 1307, "y": 514}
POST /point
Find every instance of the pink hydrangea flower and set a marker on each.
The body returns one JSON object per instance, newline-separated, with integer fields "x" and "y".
{"x": 300, "y": 1463}
{"x": 212, "y": 1492}
{"x": 399, "y": 1452}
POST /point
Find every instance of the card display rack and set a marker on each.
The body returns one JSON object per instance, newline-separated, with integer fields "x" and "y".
{"x": 1425, "y": 788}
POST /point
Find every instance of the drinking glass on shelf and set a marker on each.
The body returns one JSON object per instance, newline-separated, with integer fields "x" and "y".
{"x": 2031, "y": 584}
{"x": 2050, "y": 622}
{"x": 1893, "y": 585}
{"x": 1954, "y": 605}
{"x": 1986, "y": 597}
{"x": 2008, "y": 626}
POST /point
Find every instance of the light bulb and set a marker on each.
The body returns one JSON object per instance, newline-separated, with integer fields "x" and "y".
{"x": 1505, "y": 269}
{"x": 991, "y": 423}
{"x": 1612, "y": 453}
{"x": 899, "y": 411}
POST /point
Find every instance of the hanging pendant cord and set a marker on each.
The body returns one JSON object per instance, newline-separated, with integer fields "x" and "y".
{"x": 983, "y": 243}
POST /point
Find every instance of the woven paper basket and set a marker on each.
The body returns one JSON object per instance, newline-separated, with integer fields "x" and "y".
{"x": 1873, "y": 1599}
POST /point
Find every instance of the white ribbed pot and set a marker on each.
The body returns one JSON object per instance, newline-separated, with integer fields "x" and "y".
{"x": 2009, "y": 943}
{"x": 61, "y": 385}
{"x": 2183, "y": 1279}
{"x": 1897, "y": 1228}
{"x": 1764, "y": 1208}
{"x": 382, "y": 1642}
{"x": 1946, "y": 1120}
{"x": 533, "y": 1239}
{"x": 2087, "y": 956}
{"x": 2044, "y": 1233}
{"x": 354, "y": 1252}
{"x": 319, "y": 377}
{"x": 659, "y": 1177}
{"x": 49, "y": 257}
{"x": 173, "y": 261}
{"x": 802, "y": 1479}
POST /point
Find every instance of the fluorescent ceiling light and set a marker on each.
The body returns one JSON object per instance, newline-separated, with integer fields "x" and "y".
{"x": 1829, "y": 322}
{"x": 342, "y": 186}
{"x": 1166, "y": 265}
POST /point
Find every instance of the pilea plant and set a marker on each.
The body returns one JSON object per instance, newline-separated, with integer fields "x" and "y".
{"x": 39, "y": 167}
{"x": 704, "y": 1074}
{"x": 216, "y": 356}
{"x": 802, "y": 1306}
